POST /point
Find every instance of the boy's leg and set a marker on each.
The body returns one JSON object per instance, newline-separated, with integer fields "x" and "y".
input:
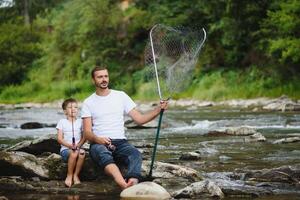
{"x": 103, "y": 157}
{"x": 133, "y": 159}
{"x": 78, "y": 166}
{"x": 71, "y": 166}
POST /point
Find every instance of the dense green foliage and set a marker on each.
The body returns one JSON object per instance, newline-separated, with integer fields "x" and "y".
{"x": 17, "y": 51}
{"x": 47, "y": 48}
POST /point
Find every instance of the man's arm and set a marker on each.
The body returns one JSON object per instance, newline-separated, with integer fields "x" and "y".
{"x": 140, "y": 118}
{"x": 89, "y": 135}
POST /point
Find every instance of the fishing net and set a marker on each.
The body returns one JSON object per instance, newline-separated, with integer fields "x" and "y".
{"x": 170, "y": 58}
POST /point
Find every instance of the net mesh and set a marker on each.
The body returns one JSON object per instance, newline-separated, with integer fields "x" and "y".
{"x": 170, "y": 58}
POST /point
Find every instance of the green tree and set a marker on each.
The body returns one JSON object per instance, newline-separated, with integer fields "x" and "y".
{"x": 18, "y": 49}
{"x": 19, "y": 42}
{"x": 83, "y": 33}
{"x": 27, "y": 9}
{"x": 282, "y": 37}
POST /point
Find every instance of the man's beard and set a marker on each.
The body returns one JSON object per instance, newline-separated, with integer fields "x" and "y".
{"x": 102, "y": 85}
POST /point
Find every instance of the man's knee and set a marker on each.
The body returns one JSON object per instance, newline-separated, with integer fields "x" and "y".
{"x": 136, "y": 153}
{"x": 101, "y": 155}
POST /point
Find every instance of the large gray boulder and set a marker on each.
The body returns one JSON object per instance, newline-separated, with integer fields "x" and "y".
{"x": 52, "y": 167}
{"x": 17, "y": 163}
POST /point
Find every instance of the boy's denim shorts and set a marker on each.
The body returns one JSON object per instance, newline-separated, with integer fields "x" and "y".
{"x": 65, "y": 154}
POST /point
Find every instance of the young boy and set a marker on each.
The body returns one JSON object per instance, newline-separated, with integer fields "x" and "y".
{"x": 68, "y": 129}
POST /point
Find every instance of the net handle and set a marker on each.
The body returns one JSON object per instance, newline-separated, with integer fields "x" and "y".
{"x": 154, "y": 61}
{"x": 200, "y": 46}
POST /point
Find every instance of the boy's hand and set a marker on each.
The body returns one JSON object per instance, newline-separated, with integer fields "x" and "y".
{"x": 74, "y": 147}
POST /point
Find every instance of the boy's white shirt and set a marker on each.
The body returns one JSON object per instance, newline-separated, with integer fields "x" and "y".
{"x": 66, "y": 127}
{"x": 107, "y": 113}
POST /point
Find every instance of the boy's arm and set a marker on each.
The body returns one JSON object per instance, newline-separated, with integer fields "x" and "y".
{"x": 89, "y": 135}
{"x": 60, "y": 139}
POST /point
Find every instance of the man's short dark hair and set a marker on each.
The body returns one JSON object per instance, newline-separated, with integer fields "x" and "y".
{"x": 98, "y": 68}
{"x": 66, "y": 102}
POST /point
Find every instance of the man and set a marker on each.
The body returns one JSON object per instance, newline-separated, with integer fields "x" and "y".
{"x": 103, "y": 125}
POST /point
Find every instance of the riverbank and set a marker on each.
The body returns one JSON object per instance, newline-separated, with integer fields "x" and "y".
{"x": 214, "y": 86}
{"x": 282, "y": 103}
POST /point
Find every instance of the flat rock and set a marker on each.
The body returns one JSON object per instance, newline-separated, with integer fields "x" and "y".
{"x": 199, "y": 189}
{"x": 284, "y": 174}
{"x": 169, "y": 171}
{"x": 38, "y": 146}
{"x": 233, "y": 131}
{"x": 287, "y": 140}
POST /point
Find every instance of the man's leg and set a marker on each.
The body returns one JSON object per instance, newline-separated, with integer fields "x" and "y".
{"x": 103, "y": 157}
{"x": 114, "y": 171}
{"x": 133, "y": 158}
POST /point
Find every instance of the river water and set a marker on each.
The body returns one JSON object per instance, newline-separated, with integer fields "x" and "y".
{"x": 186, "y": 130}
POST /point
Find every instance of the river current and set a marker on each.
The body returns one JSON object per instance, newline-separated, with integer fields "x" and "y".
{"x": 185, "y": 130}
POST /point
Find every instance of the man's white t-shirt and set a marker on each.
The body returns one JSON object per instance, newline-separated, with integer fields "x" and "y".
{"x": 107, "y": 113}
{"x": 66, "y": 127}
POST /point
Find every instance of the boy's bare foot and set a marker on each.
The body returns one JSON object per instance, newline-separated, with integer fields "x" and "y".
{"x": 68, "y": 181}
{"x": 132, "y": 181}
{"x": 76, "y": 180}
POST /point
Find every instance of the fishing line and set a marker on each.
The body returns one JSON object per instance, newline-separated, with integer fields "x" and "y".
{"x": 73, "y": 134}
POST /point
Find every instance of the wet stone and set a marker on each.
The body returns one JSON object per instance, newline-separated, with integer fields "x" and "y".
{"x": 32, "y": 125}
{"x": 190, "y": 156}
{"x": 145, "y": 190}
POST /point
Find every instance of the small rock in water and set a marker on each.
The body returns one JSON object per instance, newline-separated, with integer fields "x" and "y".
{"x": 190, "y": 156}
{"x": 287, "y": 140}
{"x": 145, "y": 190}
{"x": 31, "y": 125}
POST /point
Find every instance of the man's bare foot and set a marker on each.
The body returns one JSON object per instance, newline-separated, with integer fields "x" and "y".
{"x": 132, "y": 181}
{"x": 68, "y": 181}
{"x": 123, "y": 185}
{"x": 76, "y": 180}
